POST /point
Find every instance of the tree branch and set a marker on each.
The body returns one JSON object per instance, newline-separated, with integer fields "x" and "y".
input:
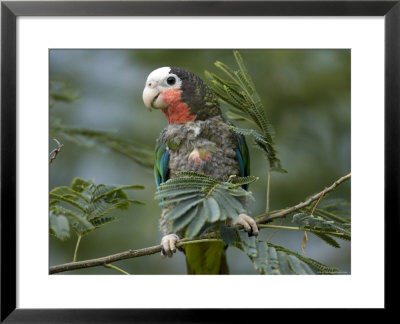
{"x": 282, "y": 213}
{"x": 123, "y": 255}
{"x": 104, "y": 260}
{"x": 210, "y": 237}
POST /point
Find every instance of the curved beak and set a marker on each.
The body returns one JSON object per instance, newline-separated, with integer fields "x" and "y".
{"x": 150, "y": 95}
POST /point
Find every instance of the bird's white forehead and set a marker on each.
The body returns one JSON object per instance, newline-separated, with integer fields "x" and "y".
{"x": 159, "y": 73}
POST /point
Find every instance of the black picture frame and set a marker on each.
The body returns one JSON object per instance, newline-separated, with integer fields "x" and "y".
{"x": 10, "y": 10}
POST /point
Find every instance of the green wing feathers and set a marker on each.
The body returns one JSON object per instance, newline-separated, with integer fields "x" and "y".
{"x": 243, "y": 157}
{"x": 161, "y": 164}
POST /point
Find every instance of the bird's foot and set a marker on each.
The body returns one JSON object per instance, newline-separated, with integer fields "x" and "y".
{"x": 168, "y": 245}
{"x": 198, "y": 156}
{"x": 249, "y": 224}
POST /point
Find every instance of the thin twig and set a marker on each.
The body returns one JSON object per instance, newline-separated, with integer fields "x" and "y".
{"x": 76, "y": 248}
{"x": 277, "y": 228}
{"x": 268, "y": 188}
{"x": 293, "y": 228}
{"x": 316, "y": 204}
{"x": 111, "y": 266}
{"x": 282, "y": 213}
{"x": 54, "y": 153}
{"x": 210, "y": 237}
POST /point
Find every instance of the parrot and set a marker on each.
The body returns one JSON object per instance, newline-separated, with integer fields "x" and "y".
{"x": 198, "y": 139}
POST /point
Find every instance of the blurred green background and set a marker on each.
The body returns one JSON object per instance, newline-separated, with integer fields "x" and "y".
{"x": 306, "y": 94}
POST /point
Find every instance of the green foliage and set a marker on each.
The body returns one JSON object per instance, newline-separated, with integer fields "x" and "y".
{"x": 137, "y": 152}
{"x": 337, "y": 210}
{"x": 239, "y": 91}
{"x": 270, "y": 259}
{"x": 59, "y": 225}
{"x": 61, "y": 91}
{"x": 326, "y": 222}
{"x": 195, "y": 200}
{"x": 84, "y": 206}
{"x": 328, "y": 239}
{"x": 319, "y": 223}
{"x": 317, "y": 267}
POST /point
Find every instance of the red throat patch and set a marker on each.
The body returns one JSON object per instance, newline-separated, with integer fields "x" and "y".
{"x": 177, "y": 111}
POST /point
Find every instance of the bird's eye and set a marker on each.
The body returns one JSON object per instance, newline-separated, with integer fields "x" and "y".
{"x": 171, "y": 80}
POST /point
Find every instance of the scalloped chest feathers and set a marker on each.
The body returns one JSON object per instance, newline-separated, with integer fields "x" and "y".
{"x": 211, "y": 137}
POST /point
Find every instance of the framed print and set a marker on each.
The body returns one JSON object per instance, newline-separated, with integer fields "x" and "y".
{"x": 87, "y": 87}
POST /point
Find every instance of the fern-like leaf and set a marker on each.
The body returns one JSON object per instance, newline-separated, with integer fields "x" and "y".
{"x": 61, "y": 91}
{"x": 84, "y": 206}
{"x": 59, "y": 226}
{"x": 138, "y": 152}
{"x": 196, "y": 200}
{"x": 309, "y": 221}
{"x": 239, "y": 91}
{"x": 328, "y": 239}
{"x": 316, "y": 266}
{"x": 271, "y": 259}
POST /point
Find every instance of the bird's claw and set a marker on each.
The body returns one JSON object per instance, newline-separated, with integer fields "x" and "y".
{"x": 168, "y": 245}
{"x": 249, "y": 224}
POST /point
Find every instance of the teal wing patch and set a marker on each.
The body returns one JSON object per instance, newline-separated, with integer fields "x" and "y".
{"x": 161, "y": 164}
{"x": 243, "y": 157}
